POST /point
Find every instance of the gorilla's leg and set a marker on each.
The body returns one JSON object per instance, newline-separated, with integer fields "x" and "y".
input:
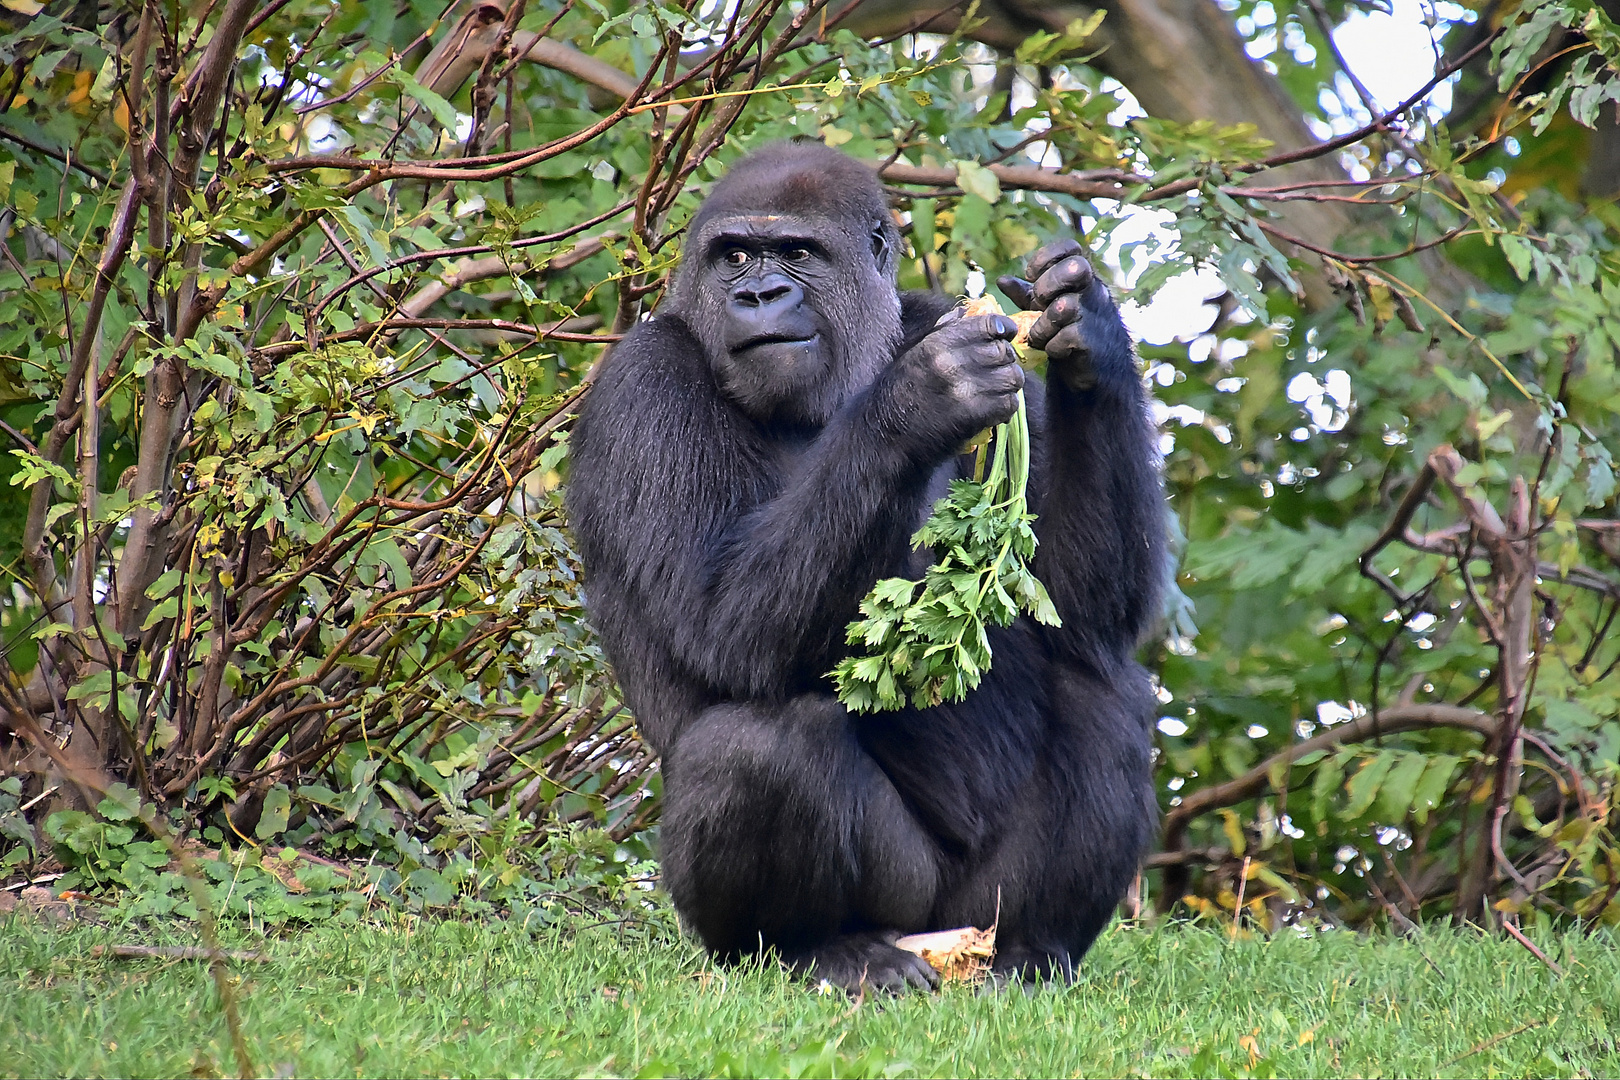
{"x": 780, "y": 831}
{"x": 1073, "y": 836}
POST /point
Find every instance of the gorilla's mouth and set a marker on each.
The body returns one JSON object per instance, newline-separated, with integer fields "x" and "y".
{"x": 775, "y": 339}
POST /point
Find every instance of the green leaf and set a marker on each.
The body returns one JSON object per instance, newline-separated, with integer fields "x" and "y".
{"x": 895, "y": 592}
{"x": 979, "y": 581}
{"x": 1363, "y": 787}
{"x": 1518, "y": 252}
{"x": 975, "y": 179}
{"x": 1283, "y": 886}
{"x": 1466, "y": 386}
{"x": 121, "y": 803}
{"x": 442, "y": 111}
{"x": 273, "y": 817}
{"x": 168, "y": 608}
{"x": 1396, "y": 795}
{"x": 1431, "y": 789}
{"x": 166, "y": 583}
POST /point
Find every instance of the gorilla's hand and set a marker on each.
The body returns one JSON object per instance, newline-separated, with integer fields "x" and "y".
{"x": 1064, "y": 288}
{"x": 867, "y": 960}
{"x": 963, "y": 377}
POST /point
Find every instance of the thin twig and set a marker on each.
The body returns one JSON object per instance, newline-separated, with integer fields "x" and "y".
{"x": 1492, "y": 1041}
{"x": 1517, "y": 935}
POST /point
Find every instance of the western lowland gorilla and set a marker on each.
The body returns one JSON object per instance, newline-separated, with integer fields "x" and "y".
{"x": 748, "y": 463}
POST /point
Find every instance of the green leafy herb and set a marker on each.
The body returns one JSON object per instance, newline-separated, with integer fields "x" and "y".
{"x": 934, "y": 647}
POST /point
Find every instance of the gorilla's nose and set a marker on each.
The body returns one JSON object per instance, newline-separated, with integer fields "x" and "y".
{"x": 769, "y": 295}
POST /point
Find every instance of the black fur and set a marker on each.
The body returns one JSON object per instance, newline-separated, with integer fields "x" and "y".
{"x": 736, "y": 491}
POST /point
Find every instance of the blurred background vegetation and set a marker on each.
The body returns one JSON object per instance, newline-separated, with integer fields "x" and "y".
{"x": 297, "y": 299}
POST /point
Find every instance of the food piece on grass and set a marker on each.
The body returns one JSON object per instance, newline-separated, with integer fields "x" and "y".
{"x": 960, "y": 955}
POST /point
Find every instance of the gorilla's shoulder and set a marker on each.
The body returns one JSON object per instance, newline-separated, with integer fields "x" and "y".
{"x": 656, "y": 352}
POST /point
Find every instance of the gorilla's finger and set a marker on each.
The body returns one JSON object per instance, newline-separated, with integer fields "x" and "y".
{"x": 1005, "y": 405}
{"x": 976, "y": 329}
{"x": 1048, "y": 256}
{"x": 995, "y": 355}
{"x": 1059, "y": 313}
{"x": 1067, "y": 344}
{"x": 923, "y": 976}
{"x": 1071, "y": 275}
{"x": 1002, "y": 380}
{"x": 885, "y": 979}
{"x": 1018, "y": 291}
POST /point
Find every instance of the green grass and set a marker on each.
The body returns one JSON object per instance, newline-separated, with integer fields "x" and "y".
{"x": 430, "y": 998}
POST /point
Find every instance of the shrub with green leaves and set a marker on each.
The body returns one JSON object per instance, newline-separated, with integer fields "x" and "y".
{"x": 297, "y": 300}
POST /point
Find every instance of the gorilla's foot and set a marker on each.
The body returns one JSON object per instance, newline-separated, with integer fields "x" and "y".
{"x": 1031, "y": 967}
{"x": 851, "y": 961}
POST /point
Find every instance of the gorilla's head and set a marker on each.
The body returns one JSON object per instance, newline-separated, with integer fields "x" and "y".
{"x": 788, "y": 280}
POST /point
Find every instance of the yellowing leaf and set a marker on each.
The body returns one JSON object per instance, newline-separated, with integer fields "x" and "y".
{"x": 1233, "y": 828}
{"x": 81, "y": 85}
{"x": 1383, "y": 303}
{"x": 1489, "y": 426}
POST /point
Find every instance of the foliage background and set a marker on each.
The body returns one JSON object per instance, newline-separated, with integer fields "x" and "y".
{"x": 297, "y": 298}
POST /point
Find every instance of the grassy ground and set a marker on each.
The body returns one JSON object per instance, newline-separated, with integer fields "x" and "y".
{"x": 430, "y": 998}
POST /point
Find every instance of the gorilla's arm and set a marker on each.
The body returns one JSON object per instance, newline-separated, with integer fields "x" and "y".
{"x": 1095, "y": 487}
{"x": 741, "y": 564}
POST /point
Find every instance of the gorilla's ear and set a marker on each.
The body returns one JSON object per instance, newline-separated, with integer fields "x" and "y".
{"x": 880, "y": 245}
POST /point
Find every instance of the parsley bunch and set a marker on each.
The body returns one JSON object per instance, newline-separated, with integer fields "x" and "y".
{"x": 934, "y": 647}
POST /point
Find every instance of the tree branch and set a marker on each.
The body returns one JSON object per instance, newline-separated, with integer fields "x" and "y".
{"x": 1395, "y": 719}
{"x": 1390, "y": 721}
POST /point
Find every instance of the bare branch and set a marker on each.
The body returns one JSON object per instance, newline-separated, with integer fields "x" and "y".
{"x": 1096, "y": 184}
{"x": 1395, "y": 719}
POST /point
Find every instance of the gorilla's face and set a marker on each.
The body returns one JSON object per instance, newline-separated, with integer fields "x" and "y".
{"x": 778, "y": 346}
{"x": 788, "y": 281}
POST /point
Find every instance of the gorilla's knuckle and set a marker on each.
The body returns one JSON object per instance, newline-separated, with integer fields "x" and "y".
{"x": 950, "y": 365}
{"x": 1050, "y": 254}
{"x": 1064, "y": 309}
{"x": 1068, "y": 344}
{"x": 981, "y": 328}
{"x": 1072, "y": 275}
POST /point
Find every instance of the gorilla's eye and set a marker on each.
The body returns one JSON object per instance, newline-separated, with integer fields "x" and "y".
{"x": 796, "y": 253}
{"x": 879, "y": 244}
{"x": 736, "y": 257}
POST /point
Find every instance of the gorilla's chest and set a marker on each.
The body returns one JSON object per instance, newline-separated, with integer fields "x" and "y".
{"x": 939, "y": 485}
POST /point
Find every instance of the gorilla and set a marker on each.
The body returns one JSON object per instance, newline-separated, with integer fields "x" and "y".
{"x": 749, "y": 461}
